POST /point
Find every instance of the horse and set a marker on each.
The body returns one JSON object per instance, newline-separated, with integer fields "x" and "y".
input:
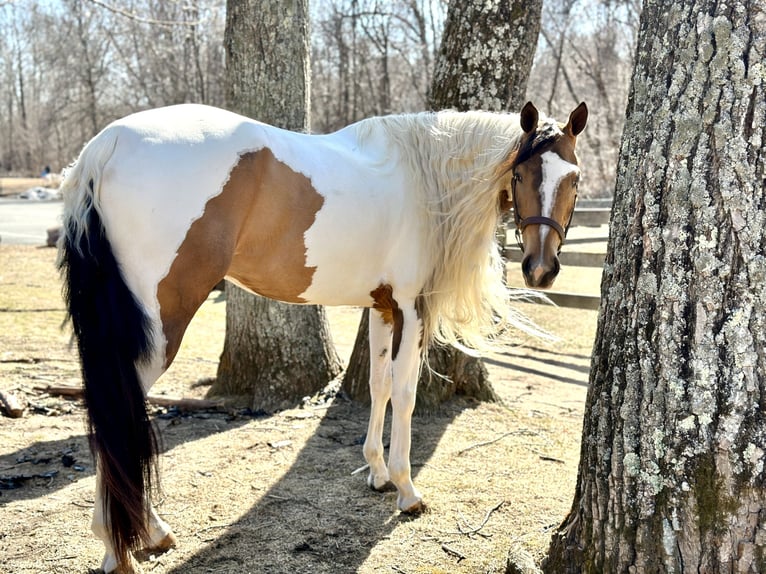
{"x": 394, "y": 213}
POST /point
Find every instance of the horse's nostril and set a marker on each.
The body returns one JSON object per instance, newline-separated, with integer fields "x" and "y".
{"x": 556, "y": 267}
{"x": 526, "y": 265}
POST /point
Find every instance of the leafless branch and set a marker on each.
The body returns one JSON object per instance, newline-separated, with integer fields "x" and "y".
{"x": 459, "y": 555}
{"x": 141, "y": 19}
{"x": 183, "y": 404}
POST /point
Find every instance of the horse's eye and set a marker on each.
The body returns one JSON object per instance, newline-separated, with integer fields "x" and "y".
{"x": 575, "y": 182}
{"x": 517, "y": 177}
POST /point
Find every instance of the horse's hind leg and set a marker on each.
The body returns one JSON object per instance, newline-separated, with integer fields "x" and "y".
{"x": 177, "y": 310}
{"x": 99, "y": 527}
{"x": 380, "y": 393}
{"x": 159, "y": 535}
{"x": 161, "y": 538}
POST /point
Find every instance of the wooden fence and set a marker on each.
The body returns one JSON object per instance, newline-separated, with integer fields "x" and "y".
{"x": 595, "y": 214}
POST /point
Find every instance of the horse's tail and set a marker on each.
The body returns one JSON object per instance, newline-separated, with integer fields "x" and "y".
{"x": 114, "y": 337}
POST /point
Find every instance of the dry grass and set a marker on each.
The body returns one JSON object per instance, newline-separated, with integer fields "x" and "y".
{"x": 240, "y": 502}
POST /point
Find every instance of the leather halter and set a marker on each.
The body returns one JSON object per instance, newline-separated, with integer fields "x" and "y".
{"x": 523, "y": 222}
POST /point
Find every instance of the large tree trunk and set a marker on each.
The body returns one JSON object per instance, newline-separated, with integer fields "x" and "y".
{"x": 274, "y": 354}
{"x": 484, "y": 63}
{"x": 672, "y": 465}
{"x": 485, "y": 55}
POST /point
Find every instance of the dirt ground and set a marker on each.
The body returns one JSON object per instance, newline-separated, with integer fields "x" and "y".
{"x": 279, "y": 494}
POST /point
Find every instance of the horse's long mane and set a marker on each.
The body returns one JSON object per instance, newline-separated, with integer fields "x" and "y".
{"x": 457, "y": 162}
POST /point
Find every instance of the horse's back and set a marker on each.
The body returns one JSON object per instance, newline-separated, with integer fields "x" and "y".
{"x": 296, "y": 217}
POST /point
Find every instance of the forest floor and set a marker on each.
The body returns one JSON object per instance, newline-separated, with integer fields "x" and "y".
{"x": 278, "y": 494}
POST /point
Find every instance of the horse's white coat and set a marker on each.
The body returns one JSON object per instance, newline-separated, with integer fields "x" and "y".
{"x": 174, "y": 160}
{"x": 555, "y": 169}
{"x": 165, "y": 165}
{"x": 160, "y": 166}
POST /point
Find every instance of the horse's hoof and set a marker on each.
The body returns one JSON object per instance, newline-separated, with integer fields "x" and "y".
{"x": 387, "y": 486}
{"x": 415, "y": 508}
{"x": 128, "y": 567}
{"x": 170, "y": 541}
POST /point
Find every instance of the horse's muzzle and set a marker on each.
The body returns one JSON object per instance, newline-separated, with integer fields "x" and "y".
{"x": 539, "y": 274}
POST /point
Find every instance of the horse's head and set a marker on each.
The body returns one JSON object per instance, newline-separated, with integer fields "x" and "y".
{"x": 543, "y": 178}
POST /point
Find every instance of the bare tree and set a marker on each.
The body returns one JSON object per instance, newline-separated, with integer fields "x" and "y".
{"x": 586, "y": 54}
{"x": 69, "y": 67}
{"x": 372, "y": 57}
{"x": 672, "y": 463}
{"x": 274, "y": 354}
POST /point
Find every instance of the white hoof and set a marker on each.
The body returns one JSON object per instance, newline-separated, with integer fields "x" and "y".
{"x": 380, "y": 483}
{"x": 411, "y": 505}
{"x": 110, "y": 566}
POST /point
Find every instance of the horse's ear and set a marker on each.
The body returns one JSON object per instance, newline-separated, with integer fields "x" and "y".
{"x": 577, "y": 120}
{"x": 529, "y": 117}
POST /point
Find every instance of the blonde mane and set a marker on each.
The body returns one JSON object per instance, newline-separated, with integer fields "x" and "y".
{"x": 455, "y": 161}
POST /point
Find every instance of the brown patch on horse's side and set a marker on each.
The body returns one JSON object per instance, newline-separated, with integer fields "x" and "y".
{"x": 252, "y": 232}
{"x": 386, "y": 305}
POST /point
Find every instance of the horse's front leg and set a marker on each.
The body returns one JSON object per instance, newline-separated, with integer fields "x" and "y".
{"x": 380, "y": 393}
{"x": 405, "y": 370}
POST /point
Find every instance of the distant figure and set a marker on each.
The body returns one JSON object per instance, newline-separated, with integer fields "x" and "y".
{"x": 52, "y": 180}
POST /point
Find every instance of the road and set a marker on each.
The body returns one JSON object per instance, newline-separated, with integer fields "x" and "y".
{"x": 26, "y": 222}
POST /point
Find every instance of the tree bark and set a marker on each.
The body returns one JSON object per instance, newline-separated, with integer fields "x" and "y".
{"x": 484, "y": 62}
{"x": 671, "y": 474}
{"x": 486, "y": 54}
{"x": 274, "y": 354}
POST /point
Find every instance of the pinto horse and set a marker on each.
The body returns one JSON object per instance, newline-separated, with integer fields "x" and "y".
{"x": 393, "y": 213}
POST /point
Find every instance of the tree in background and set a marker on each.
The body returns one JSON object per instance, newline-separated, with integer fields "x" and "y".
{"x": 274, "y": 354}
{"x": 371, "y": 57}
{"x": 673, "y": 448}
{"x": 586, "y": 54}
{"x": 486, "y": 55}
{"x": 368, "y": 57}
{"x": 484, "y": 61}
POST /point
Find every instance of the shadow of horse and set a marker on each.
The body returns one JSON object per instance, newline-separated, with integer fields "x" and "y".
{"x": 319, "y": 517}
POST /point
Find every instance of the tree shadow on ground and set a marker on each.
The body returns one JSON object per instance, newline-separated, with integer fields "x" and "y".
{"x": 49, "y": 465}
{"x": 319, "y": 517}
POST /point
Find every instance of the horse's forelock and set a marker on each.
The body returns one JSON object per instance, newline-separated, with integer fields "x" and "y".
{"x": 542, "y": 139}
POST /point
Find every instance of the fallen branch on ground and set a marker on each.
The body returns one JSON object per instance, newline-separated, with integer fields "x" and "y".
{"x": 501, "y": 437}
{"x": 11, "y": 405}
{"x": 460, "y": 556}
{"x": 475, "y": 530}
{"x": 483, "y": 522}
{"x": 182, "y": 404}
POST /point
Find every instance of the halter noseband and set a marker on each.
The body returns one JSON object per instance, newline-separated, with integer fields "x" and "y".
{"x": 523, "y": 222}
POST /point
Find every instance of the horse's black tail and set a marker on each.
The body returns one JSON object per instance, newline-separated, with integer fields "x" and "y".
{"x": 113, "y": 334}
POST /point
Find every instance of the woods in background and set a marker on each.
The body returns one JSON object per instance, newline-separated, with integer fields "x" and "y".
{"x": 69, "y": 67}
